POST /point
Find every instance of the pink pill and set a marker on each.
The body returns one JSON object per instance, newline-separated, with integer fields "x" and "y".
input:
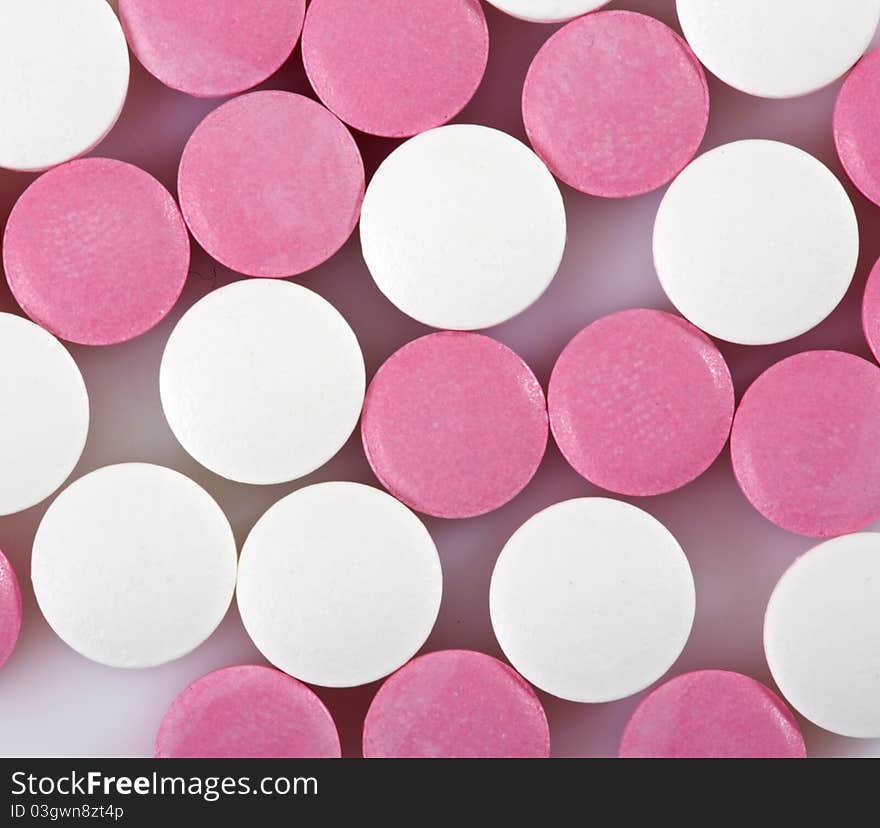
{"x": 96, "y": 251}
{"x": 271, "y": 184}
{"x": 857, "y": 126}
{"x": 247, "y": 712}
{"x": 456, "y": 704}
{"x": 10, "y": 609}
{"x": 454, "y": 424}
{"x": 806, "y": 443}
{"x": 871, "y": 311}
{"x": 712, "y": 714}
{"x": 209, "y": 48}
{"x": 641, "y": 402}
{"x": 616, "y": 104}
{"x": 395, "y": 67}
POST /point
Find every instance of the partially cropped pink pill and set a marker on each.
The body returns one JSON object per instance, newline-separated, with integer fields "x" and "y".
{"x": 454, "y": 424}
{"x": 211, "y": 48}
{"x": 271, "y": 184}
{"x": 456, "y": 704}
{"x": 247, "y": 712}
{"x": 641, "y": 402}
{"x": 10, "y": 609}
{"x": 96, "y": 251}
{"x": 712, "y": 714}
{"x": 805, "y": 443}
{"x": 871, "y": 311}
{"x": 616, "y": 104}
{"x": 395, "y": 67}
{"x": 857, "y": 126}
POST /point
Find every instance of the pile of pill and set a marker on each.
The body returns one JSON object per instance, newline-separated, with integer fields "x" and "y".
{"x": 351, "y": 131}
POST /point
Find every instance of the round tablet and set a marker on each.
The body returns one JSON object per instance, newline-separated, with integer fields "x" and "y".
{"x": 133, "y": 565}
{"x": 871, "y": 310}
{"x": 395, "y": 67}
{"x": 547, "y": 11}
{"x": 456, "y": 704}
{"x": 781, "y": 49}
{"x": 463, "y": 227}
{"x": 96, "y": 251}
{"x": 247, "y": 712}
{"x": 63, "y": 79}
{"x": 208, "y": 48}
{"x": 641, "y": 402}
{"x": 820, "y": 635}
{"x": 454, "y": 424}
{"x": 44, "y": 414}
{"x": 271, "y": 184}
{"x": 615, "y": 104}
{"x": 262, "y": 381}
{"x": 805, "y": 443}
{"x": 10, "y": 609}
{"x": 756, "y": 242}
{"x": 339, "y": 584}
{"x": 857, "y": 126}
{"x": 592, "y": 600}
{"x": 712, "y": 714}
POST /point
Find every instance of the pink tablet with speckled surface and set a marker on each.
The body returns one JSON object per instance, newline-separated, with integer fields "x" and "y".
{"x": 871, "y": 311}
{"x": 271, "y": 184}
{"x": 10, "y": 609}
{"x": 247, "y": 712}
{"x": 454, "y": 424}
{"x": 806, "y": 443}
{"x": 395, "y": 67}
{"x": 456, "y": 704}
{"x": 616, "y": 104}
{"x": 641, "y": 402}
{"x": 712, "y": 714}
{"x": 96, "y": 251}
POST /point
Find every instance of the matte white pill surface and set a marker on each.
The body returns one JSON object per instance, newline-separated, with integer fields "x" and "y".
{"x": 463, "y": 227}
{"x": 44, "y": 414}
{"x": 134, "y": 565}
{"x": 547, "y": 11}
{"x": 63, "y": 79}
{"x": 778, "y": 48}
{"x": 756, "y": 242}
{"x": 262, "y": 381}
{"x": 339, "y": 584}
{"x": 592, "y": 599}
{"x": 822, "y": 635}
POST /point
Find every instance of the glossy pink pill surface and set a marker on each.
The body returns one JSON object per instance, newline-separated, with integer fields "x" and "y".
{"x": 271, "y": 184}
{"x": 871, "y": 311}
{"x": 806, "y": 443}
{"x": 456, "y": 704}
{"x": 454, "y": 424}
{"x": 395, "y": 67}
{"x": 96, "y": 251}
{"x": 247, "y": 712}
{"x": 10, "y": 609}
{"x": 616, "y": 104}
{"x": 712, "y": 714}
{"x": 640, "y": 402}
{"x": 210, "y": 48}
{"x": 857, "y": 126}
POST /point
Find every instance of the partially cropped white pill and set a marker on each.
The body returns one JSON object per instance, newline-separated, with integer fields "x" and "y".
{"x": 339, "y": 584}
{"x": 262, "y": 381}
{"x": 134, "y": 565}
{"x": 63, "y": 79}
{"x": 756, "y": 242}
{"x": 547, "y": 11}
{"x": 822, "y": 635}
{"x": 463, "y": 227}
{"x": 592, "y": 599}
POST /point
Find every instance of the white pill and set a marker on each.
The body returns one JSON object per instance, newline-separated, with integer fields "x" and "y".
{"x": 63, "y": 79}
{"x": 339, "y": 584}
{"x": 44, "y": 414}
{"x": 547, "y": 11}
{"x": 134, "y": 565}
{"x": 822, "y": 635}
{"x": 463, "y": 227}
{"x": 592, "y": 599}
{"x": 756, "y": 242}
{"x": 778, "y": 48}
{"x": 262, "y": 381}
